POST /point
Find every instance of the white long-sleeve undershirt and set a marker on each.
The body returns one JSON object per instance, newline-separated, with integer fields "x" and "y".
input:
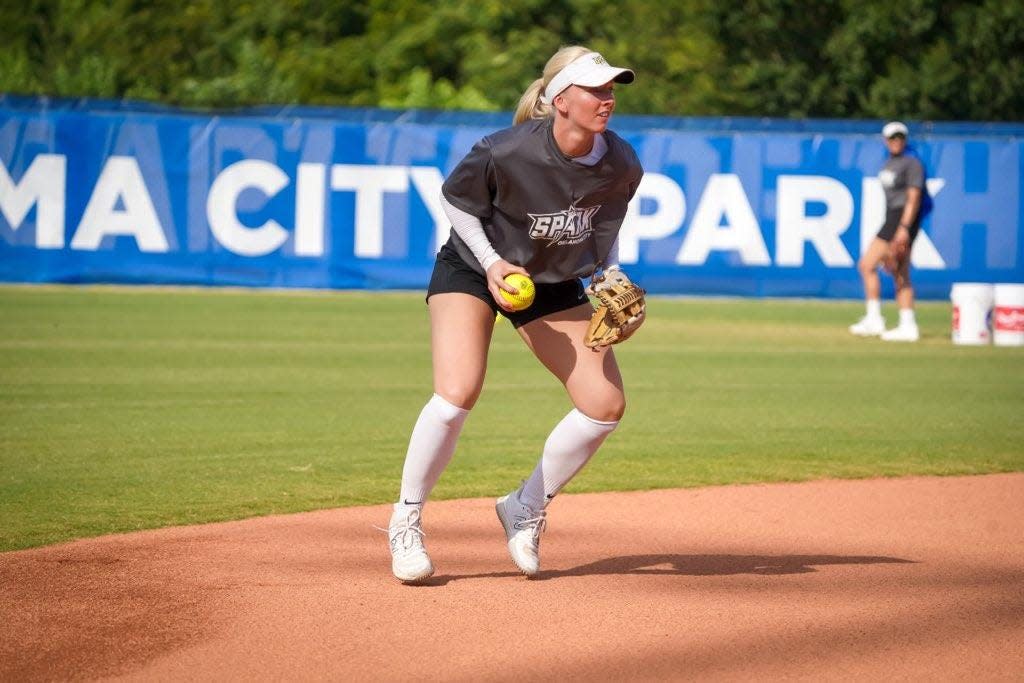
{"x": 470, "y": 229}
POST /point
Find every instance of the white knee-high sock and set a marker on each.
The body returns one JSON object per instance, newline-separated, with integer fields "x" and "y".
{"x": 430, "y": 448}
{"x": 571, "y": 444}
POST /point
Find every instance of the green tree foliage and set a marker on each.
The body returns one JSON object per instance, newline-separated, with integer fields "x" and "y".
{"x": 919, "y": 59}
{"x": 935, "y": 60}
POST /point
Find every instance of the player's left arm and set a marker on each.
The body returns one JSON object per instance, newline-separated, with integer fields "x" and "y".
{"x": 900, "y": 246}
{"x": 901, "y": 240}
{"x": 911, "y": 208}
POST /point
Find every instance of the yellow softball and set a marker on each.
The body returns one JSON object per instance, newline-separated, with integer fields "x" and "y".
{"x": 521, "y": 300}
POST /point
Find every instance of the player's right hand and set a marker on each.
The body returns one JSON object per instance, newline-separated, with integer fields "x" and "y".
{"x": 496, "y": 281}
{"x": 899, "y": 250}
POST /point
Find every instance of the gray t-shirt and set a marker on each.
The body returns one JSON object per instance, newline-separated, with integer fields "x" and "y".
{"x": 897, "y": 175}
{"x": 540, "y": 209}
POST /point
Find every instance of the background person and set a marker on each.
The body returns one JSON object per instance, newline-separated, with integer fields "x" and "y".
{"x": 545, "y": 198}
{"x": 902, "y": 179}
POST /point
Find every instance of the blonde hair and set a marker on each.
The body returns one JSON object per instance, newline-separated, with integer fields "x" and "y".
{"x": 530, "y": 106}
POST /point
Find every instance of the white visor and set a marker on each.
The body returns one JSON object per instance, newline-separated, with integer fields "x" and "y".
{"x": 589, "y": 70}
{"x": 894, "y": 128}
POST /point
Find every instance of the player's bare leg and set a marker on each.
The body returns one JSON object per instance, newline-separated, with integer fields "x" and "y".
{"x": 591, "y": 377}
{"x": 461, "y": 326}
{"x": 872, "y": 324}
{"x": 906, "y": 329}
{"x": 904, "y": 287}
{"x": 460, "y": 331}
{"x": 867, "y": 266}
{"x": 594, "y": 384}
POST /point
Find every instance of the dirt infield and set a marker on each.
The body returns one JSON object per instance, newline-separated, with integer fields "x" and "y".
{"x": 883, "y": 579}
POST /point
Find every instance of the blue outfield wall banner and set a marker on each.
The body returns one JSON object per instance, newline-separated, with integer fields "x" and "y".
{"x": 100, "y": 191}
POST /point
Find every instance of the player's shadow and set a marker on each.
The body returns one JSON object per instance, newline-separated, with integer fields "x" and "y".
{"x": 714, "y": 565}
{"x": 690, "y": 565}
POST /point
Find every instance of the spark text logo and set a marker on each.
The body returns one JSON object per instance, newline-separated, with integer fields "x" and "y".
{"x": 571, "y": 226}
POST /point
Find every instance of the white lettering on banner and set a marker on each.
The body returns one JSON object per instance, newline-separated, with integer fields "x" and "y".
{"x": 120, "y": 205}
{"x": 369, "y": 183}
{"x": 120, "y": 179}
{"x": 666, "y": 219}
{"x": 924, "y": 255}
{"x": 310, "y": 189}
{"x": 793, "y": 227}
{"x": 428, "y": 181}
{"x": 42, "y": 184}
{"x": 724, "y": 196}
{"x": 872, "y": 210}
{"x": 221, "y": 207}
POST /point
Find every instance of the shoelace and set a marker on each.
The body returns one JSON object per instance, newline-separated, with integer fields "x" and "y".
{"x": 408, "y": 532}
{"x": 409, "y": 536}
{"x": 536, "y": 524}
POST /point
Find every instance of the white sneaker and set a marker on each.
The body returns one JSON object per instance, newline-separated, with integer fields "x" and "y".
{"x": 523, "y": 527}
{"x": 902, "y": 333}
{"x": 409, "y": 560}
{"x": 868, "y": 326}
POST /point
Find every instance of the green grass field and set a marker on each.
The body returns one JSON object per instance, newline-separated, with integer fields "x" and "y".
{"x": 126, "y": 409}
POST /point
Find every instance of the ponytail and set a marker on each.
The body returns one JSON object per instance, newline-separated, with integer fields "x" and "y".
{"x": 530, "y": 106}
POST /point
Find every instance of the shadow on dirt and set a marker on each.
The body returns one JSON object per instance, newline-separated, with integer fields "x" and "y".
{"x": 690, "y": 565}
{"x": 715, "y": 565}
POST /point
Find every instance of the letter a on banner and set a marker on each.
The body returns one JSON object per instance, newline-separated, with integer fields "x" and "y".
{"x": 121, "y": 180}
{"x": 724, "y": 197}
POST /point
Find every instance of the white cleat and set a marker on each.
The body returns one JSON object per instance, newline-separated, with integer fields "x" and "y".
{"x": 902, "y": 333}
{"x": 409, "y": 560}
{"x": 523, "y": 527}
{"x": 868, "y": 326}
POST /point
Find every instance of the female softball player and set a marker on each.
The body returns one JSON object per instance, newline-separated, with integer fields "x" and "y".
{"x": 544, "y": 198}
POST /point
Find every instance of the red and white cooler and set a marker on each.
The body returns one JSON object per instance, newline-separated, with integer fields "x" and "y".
{"x": 1008, "y": 315}
{"x": 972, "y": 308}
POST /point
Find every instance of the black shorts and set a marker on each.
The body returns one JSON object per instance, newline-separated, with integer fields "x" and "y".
{"x": 892, "y": 221}
{"x": 452, "y": 274}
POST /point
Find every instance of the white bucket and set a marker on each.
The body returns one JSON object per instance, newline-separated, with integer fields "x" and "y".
{"x": 1008, "y": 315}
{"x": 972, "y": 308}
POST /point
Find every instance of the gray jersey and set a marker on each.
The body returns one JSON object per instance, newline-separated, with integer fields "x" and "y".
{"x": 897, "y": 175}
{"x": 540, "y": 209}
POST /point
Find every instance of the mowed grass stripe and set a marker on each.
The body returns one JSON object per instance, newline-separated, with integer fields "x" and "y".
{"x": 131, "y": 408}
